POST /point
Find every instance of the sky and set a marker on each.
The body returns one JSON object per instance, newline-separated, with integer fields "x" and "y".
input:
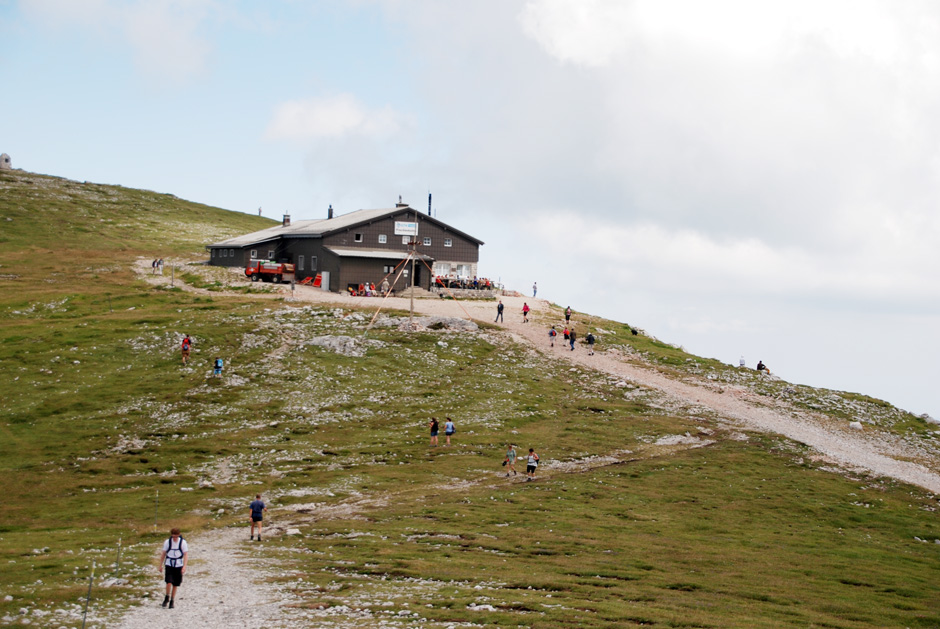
{"x": 756, "y": 179}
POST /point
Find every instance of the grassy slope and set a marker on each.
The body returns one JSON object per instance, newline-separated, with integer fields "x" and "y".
{"x": 98, "y": 417}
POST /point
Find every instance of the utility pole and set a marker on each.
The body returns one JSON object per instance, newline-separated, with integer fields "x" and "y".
{"x": 414, "y": 252}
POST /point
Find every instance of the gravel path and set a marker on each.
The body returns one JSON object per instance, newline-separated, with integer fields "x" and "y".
{"x": 219, "y": 590}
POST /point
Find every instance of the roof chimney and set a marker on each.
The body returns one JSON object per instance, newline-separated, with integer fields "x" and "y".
{"x": 287, "y": 220}
{"x": 329, "y": 212}
{"x": 400, "y": 204}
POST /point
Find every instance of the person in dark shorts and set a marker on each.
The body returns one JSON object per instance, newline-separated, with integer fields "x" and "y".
{"x": 532, "y": 462}
{"x": 435, "y": 427}
{"x": 173, "y": 564}
{"x": 257, "y": 515}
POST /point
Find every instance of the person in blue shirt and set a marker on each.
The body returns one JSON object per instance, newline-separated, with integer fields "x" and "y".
{"x": 257, "y": 515}
{"x": 449, "y": 429}
{"x": 217, "y": 367}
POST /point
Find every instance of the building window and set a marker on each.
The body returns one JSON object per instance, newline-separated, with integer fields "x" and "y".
{"x": 448, "y": 242}
{"x": 383, "y": 239}
{"x": 406, "y": 240}
{"x": 231, "y": 253}
{"x": 388, "y": 269}
{"x": 357, "y": 237}
{"x": 254, "y": 254}
{"x": 300, "y": 263}
{"x": 270, "y": 254}
{"x": 313, "y": 263}
{"x": 213, "y": 253}
{"x": 427, "y": 241}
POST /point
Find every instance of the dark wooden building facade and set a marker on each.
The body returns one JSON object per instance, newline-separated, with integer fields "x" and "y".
{"x": 357, "y": 248}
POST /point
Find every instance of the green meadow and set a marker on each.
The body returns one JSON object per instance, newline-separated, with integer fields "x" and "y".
{"x": 644, "y": 512}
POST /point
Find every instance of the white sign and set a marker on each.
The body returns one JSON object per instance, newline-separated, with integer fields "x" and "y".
{"x": 403, "y": 228}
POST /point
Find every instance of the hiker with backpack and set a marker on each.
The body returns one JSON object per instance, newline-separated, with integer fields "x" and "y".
{"x": 185, "y": 348}
{"x": 217, "y": 368}
{"x": 590, "y": 343}
{"x": 173, "y": 564}
{"x": 551, "y": 335}
{"x": 525, "y": 313}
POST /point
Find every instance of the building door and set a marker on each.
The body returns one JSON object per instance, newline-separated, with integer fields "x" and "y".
{"x": 417, "y": 280}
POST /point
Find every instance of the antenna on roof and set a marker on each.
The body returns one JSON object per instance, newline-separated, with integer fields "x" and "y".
{"x": 429, "y": 202}
{"x": 329, "y": 212}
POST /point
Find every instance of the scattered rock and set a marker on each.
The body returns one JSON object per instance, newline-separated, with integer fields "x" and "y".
{"x": 856, "y": 426}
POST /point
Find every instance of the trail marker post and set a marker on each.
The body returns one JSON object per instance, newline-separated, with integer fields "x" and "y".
{"x": 91, "y": 580}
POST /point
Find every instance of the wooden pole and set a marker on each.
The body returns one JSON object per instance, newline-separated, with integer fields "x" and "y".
{"x": 88, "y": 598}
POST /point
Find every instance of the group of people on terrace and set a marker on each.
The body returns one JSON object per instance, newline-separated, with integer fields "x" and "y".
{"x": 477, "y": 283}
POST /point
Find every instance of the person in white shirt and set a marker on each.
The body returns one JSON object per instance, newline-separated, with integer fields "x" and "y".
{"x": 532, "y": 462}
{"x": 173, "y": 564}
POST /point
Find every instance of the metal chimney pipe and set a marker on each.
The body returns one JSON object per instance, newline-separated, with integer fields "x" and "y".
{"x": 329, "y": 211}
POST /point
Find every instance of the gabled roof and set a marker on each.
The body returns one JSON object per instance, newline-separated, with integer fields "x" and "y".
{"x": 323, "y": 227}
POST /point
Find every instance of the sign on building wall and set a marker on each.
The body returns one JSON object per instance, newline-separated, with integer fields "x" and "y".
{"x": 404, "y": 228}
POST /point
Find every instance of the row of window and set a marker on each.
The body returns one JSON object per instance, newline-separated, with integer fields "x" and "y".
{"x": 225, "y": 253}
{"x": 383, "y": 238}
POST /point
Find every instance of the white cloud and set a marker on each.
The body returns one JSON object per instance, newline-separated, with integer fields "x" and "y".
{"x": 166, "y": 39}
{"x": 164, "y": 35}
{"x": 588, "y": 32}
{"x": 333, "y": 117}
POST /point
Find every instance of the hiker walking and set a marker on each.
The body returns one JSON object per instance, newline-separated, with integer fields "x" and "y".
{"x": 153, "y": 267}
{"x": 217, "y": 367}
{"x": 551, "y": 336}
{"x": 532, "y": 462}
{"x": 590, "y": 343}
{"x": 510, "y": 460}
{"x": 257, "y": 509}
{"x": 449, "y": 429}
{"x": 173, "y": 564}
{"x": 567, "y": 315}
{"x": 525, "y": 313}
{"x": 434, "y": 428}
{"x": 499, "y": 312}
{"x": 160, "y": 266}
{"x": 571, "y": 338}
{"x": 535, "y": 289}
{"x": 186, "y": 347}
